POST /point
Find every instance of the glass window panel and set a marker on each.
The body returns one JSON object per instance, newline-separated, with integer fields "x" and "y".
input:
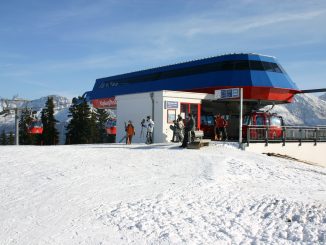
{"x": 259, "y": 121}
{"x": 275, "y": 121}
{"x": 256, "y": 65}
{"x": 267, "y": 66}
{"x": 241, "y": 65}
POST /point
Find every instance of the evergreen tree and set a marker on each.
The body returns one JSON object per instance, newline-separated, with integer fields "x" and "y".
{"x": 11, "y": 138}
{"x": 50, "y": 134}
{"x": 102, "y": 117}
{"x": 94, "y": 132}
{"x": 3, "y": 138}
{"x": 79, "y": 127}
{"x": 25, "y": 120}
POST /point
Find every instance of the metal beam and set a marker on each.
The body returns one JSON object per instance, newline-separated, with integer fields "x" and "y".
{"x": 318, "y": 90}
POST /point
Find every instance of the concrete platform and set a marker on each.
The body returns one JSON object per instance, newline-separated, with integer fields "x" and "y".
{"x": 307, "y": 151}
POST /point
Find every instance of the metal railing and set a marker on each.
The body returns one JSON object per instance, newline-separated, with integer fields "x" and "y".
{"x": 285, "y": 134}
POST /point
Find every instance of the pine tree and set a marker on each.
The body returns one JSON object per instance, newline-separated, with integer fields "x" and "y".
{"x": 25, "y": 120}
{"x": 102, "y": 117}
{"x": 11, "y": 138}
{"x": 94, "y": 132}
{"x": 3, "y": 138}
{"x": 50, "y": 134}
{"x": 79, "y": 127}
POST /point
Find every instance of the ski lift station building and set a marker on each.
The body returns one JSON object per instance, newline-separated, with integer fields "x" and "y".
{"x": 165, "y": 92}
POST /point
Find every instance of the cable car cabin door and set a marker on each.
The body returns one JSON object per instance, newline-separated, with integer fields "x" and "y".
{"x": 194, "y": 109}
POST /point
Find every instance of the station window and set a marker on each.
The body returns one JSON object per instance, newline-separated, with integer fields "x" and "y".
{"x": 256, "y": 65}
{"x": 241, "y": 65}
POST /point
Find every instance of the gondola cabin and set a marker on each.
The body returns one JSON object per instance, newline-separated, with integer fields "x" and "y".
{"x": 35, "y": 127}
{"x": 111, "y": 127}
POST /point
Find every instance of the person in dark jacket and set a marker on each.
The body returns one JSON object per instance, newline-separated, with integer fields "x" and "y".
{"x": 174, "y": 128}
{"x": 221, "y": 125}
{"x": 189, "y": 131}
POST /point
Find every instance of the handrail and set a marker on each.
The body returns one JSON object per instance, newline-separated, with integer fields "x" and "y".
{"x": 285, "y": 134}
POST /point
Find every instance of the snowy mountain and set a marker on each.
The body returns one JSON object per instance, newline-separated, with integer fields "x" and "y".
{"x": 62, "y": 104}
{"x": 323, "y": 97}
{"x": 306, "y": 109}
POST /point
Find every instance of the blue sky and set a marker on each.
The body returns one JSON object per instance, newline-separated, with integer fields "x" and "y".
{"x": 61, "y": 47}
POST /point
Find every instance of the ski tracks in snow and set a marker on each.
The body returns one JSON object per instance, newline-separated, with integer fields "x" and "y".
{"x": 162, "y": 195}
{"x": 223, "y": 204}
{"x": 208, "y": 216}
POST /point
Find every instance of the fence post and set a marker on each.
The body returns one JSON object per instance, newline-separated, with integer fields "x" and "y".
{"x": 248, "y": 135}
{"x": 266, "y": 136}
{"x": 300, "y": 139}
{"x": 283, "y": 135}
{"x": 316, "y": 134}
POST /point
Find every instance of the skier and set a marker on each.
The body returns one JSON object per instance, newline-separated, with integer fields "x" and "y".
{"x": 130, "y": 132}
{"x": 150, "y": 128}
{"x": 143, "y": 125}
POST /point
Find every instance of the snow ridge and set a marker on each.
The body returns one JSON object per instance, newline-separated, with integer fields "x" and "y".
{"x": 323, "y": 97}
{"x": 306, "y": 109}
{"x": 204, "y": 212}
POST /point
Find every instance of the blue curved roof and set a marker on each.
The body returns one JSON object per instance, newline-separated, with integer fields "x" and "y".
{"x": 233, "y": 70}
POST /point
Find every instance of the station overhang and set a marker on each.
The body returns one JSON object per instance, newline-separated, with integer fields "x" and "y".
{"x": 261, "y": 77}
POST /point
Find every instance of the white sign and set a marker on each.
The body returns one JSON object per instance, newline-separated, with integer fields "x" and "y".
{"x": 230, "y": 93}
{"x": 171, "y": 104}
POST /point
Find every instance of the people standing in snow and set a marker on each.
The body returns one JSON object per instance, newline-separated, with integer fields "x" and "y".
{"x": 150, "y": 129}
{"x": 180, "y": 129}
{"x": 174, "y": 129}
{"x": 189, "y": 131}
{"x": 221, "y": 125}
{"x": 215, "y": 129}
{"x": 143, "y": 127}
{"x": 130, "y": 132}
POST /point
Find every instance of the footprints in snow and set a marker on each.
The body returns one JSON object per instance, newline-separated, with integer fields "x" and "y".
{"x": 208, "y": 219}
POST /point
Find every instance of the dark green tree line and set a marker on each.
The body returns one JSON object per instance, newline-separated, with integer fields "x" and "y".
{"x": 25, "y": 120}
{"x": 80, "y": 124}
{"x": 3, "y": 138}
{"x": 86, "y": 126}
{"x": 50, "y": 135}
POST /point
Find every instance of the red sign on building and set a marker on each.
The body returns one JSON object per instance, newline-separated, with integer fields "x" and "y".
{"x": 106, "y": 103}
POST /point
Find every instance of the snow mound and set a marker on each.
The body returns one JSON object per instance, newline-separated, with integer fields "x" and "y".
{"x": 158, "y": 194}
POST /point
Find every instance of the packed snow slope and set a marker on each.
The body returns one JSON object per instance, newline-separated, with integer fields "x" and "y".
{"x": 157, "y": 194}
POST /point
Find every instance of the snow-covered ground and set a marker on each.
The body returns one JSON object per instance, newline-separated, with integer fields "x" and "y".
{"x": 159, "y": 194}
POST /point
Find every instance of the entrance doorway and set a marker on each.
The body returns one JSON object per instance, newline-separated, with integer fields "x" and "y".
{"x": 194, "y": 109}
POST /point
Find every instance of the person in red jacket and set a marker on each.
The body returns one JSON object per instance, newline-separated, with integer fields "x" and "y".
{"x": 221, "y": 125}
{"x": 130, "y": 132}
